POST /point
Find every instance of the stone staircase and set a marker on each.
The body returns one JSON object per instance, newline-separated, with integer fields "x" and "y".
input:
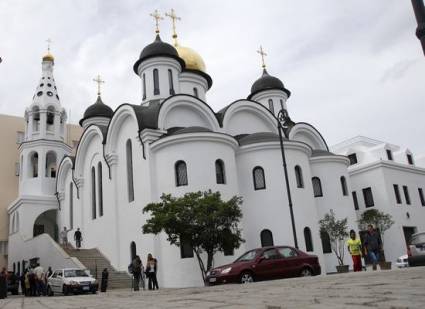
{"x": 94, "y": 261}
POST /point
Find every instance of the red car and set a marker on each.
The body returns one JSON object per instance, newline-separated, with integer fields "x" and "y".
{"x": 265, "y": 264}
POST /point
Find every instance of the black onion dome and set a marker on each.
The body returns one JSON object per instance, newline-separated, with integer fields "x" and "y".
{"x": 267, "y": 82}
{"x": 158, "y": 48}
{"x": 98, "y": 109}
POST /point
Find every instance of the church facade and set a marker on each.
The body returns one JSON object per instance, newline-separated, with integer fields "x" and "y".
{"x": 174, "y": 142}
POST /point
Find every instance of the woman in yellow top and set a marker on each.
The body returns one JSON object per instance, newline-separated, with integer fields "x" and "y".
{"x": 355, "y": 248}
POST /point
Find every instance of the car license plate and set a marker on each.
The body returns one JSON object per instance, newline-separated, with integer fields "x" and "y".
{"x": 213, "y": 279}
{"x": 86, "y": 288}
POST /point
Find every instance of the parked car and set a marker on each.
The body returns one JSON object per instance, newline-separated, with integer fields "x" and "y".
{"x": 416, "y": 250}
{"x": 264, "y": 264}
{"x": 12, "y": 283}
{"x": 71, "y": 280}
{"x": 402, "y": 261}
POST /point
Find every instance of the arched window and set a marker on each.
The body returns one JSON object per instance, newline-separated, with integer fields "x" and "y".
{"x": 259, "y": 179}
{"x": 36, "y": 118}
{"x": 155, "y": 82}
{"x": 34, "y": 165}
{"x": 195, "y": 92}
{"x": 266, "y": 238}
{"x": 144, "y": 86}
{"x": 93, "y": 193}
{"x": 14, "y": 268}
{"x": 299, "y": 177}
{"x": 71, "y": 206}
{"x": 317, "y": 186}
{"x": 171, "y": 82}
{"x": 281, "y": 104}
{"x": 100, "y": 188}
{"x": 21, "y": 167}
{"x": 19, "y": 269}
{"x": 51, "y": 164}
{"x": 219, "y": 172}
{"x": 181, "y": 173}
{"x": 308, "y": 239}
{"x": 133, "y": 251}
{"x": 344, "y": 186}
{"x": 50, "y": 119}
{"x": 130, "y": 184}
{"x": 271, "y": 106}
{"x": 326, "y": 242}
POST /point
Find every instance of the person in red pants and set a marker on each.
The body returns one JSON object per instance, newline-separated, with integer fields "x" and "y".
{"x": 355, "y": 248}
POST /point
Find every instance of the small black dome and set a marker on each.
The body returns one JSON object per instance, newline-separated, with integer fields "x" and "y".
{"x": 267, "y": 82}
{"x": 98, "y": 109}
{"x": 157, "y": 49}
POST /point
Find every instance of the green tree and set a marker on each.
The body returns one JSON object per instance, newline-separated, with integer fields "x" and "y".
{"x": 378, "y": 219}
{"x": 202, "y": 219}
{"x": 337, "y": 231}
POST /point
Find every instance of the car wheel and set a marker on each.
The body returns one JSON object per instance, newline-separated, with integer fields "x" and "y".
{"x": 65, "y": 290}
{"x": 247, "y": 277}
{"x": 306, "y": 272}
{"x": 49, "y": 291}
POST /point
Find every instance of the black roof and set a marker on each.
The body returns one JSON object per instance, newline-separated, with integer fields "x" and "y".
{"x": 98, "y": 109}
{"x": 158, "y": 49}
{"x": 260, "y": 137}
{"x": 320, "y": 153}
{"x": 267, "y": 82}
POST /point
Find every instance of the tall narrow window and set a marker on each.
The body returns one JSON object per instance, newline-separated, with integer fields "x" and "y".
{"x": 409, "y": 159}
{"x": 355, "y": 200}
{"x": 421, "y": 196}
{"x": 266, "y": 237}
{"x": 129, "y": 157}
{"x": 281, "y": 104}
{"x": 100, "y": 188}
{"x": 170, "y": 82}
{"x": 271, "y": 106}
{"x": 195, "y": 92}
{"x": 259, "y": 178}
{"x": 308, "y": 239}
{"x": 326, "y": 242}
{"x": 397, "y": 194}
{"x": 71, "y": 206}
{"x": 406, "y": 194}
{"x": 186, "y": 249}
{"x": 133, "y": 251}
{"x": 51, "y": 164}
{"x": 181, "y": 173}
{"x": 389, "y": 154}
{"x": 93, "y": 193}
{"x": 155, "y": 82}
{"x": 144, "y": 86}
{"x": 344, "y": 186}
{"x": 317, "y": 187}
{"x": 368, "y": 197}
{"x": 219, "y": 172}
{"x": 299, "y": 177}
{"x": 353, "y": 158}
{"x": 34, "y": 165}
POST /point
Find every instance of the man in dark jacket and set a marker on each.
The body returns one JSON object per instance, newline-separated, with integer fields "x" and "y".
{"x": 137, "y": 271}
{"x": 373, "y": 245}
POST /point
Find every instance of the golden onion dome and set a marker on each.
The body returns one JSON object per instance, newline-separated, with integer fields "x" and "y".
{"x": 192, "y": 59}
{"x": 48, "y": 57}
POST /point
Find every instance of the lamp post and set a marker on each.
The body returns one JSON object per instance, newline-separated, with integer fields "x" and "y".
{"x": 282, "y": 117}
{"x": 419, "y": 9}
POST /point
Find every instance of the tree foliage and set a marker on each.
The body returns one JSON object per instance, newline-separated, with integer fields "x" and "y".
{"x": 202, "y": 219}
{"x": 337, "y": 231}
{"x": 380, "y": 220}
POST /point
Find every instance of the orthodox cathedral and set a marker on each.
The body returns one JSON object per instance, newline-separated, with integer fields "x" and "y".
{"x": 174, "y": 142}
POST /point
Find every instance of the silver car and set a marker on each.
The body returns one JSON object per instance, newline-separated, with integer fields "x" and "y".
{"x": 417, "y": 250}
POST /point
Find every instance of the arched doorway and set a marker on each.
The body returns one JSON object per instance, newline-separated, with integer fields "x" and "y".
{"x": 133, "y": 250}
{"x": 46, "y": 223}
{"x": 266, "y": 238}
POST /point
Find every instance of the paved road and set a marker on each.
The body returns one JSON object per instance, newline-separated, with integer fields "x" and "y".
{"x": 400, "y": 288}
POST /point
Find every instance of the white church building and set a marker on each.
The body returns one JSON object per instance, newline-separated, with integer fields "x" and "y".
{"x": 174, "y": 142}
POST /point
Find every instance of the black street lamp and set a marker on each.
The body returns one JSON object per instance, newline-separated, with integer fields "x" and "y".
{"x": 419, "y": 8}
{"x": 282, "y": 119}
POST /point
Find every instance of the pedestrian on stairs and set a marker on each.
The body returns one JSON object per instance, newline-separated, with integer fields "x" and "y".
{"x": 137, "y": 271}
{"x": 104, "y": 282}
{"x": 78, "y": 238}
{"x": 64, "y": 237}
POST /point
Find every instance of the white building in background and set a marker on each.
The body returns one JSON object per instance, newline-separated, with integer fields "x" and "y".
{"x": 174, "y": 142}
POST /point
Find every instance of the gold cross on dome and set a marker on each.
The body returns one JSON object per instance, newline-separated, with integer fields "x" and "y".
{"x": 99, "y": 81}
{"x": 49, "y": 41}
{"x": 174, "y": 18}
{"x": 262, "y": 53}
{"x": 157, "y": 18}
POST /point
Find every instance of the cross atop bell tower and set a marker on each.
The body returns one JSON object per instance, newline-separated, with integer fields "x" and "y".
{"x": 98, "y": 81}
{"x": 174, "y": 18}
{"x": 262, "y": 53}
{"x": 157, "y": 18}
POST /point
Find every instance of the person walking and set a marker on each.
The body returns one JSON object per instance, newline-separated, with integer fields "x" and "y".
{"x": 3, "y": 283}
{"x": 151, "y": 269}
{"x": 39, "y": 279}
{"x": 373, "y": 245}
{"x": 137, "y": 271}
{"x": 64, "y": 237}
{"x": 78, "y": 238}
{"x": 104, "y": 280}
{"x": 355, "y": 249}
{"x": 49, "y": 272}
{"x": 27, "y": 283}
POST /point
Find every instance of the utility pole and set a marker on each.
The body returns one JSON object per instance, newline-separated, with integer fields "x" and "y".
{"x": 419, "y": 9}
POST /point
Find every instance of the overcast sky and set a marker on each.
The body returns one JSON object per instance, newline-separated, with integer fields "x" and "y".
{"x": 354, "y": 67}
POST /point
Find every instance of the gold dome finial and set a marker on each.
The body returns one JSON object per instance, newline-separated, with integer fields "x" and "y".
{"x": 262, "y": 53}
{"x": 157, "y": 18}
{"x": 99, "y": 81}
{"x": 174, "y": 18}
{"x": 48, "y": 56}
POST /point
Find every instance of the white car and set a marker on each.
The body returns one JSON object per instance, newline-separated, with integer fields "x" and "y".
{"x": 71, "y": 280}
{"x": 402, "y": 261}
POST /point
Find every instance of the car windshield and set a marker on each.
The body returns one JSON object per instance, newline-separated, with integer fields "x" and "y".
{"x": 248, "y": 256}
{"x": 75, "y": 273}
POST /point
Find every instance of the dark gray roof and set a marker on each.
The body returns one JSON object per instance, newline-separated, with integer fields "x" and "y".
{"x": 321, "y": 153}
{"x": 267, "y": 82}
{"x": 182, "y": 130}
{"x": 261, "y": 137}
{"x": 98, "y": 109}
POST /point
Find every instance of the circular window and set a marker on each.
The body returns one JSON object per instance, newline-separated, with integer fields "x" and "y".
{"x": 41, "y": 85}
{"x": 48, "y": 77}
{"x": 49, "y": 93}
{"x": 50, "y": 85}
{"x": 42, "y": 78}
{"x": 57, "y": 97}
{"x": 39, "y": 93}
